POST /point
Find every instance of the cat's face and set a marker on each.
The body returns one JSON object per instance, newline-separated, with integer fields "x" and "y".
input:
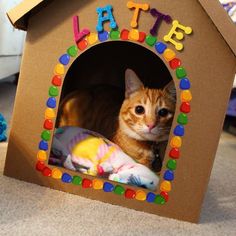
{"x": 147, "y": 114}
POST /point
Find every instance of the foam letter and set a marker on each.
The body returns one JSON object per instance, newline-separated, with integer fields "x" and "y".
{"x": 138, "y": 7}
{"x": 179, "y": 35}
{"x": 109, "y": 17}
{"x": 78, "y": 35}
{"x": 160, "y": 17}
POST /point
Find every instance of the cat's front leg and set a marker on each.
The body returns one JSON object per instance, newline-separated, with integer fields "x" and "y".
{"x": 147, "y": 158}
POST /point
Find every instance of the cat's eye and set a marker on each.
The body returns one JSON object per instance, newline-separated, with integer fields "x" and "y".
{"x": 139, "y": 110}
{"x": 163, "y": 112}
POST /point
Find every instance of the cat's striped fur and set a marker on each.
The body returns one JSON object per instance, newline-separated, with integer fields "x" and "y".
{"x": 136, "y": 132}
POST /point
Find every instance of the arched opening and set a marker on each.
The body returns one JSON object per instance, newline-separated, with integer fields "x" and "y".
{"x": 106, "y": 63}
{"x": 93, "y": 93}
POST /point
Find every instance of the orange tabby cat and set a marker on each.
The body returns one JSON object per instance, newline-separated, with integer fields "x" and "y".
{"x": 135, "y": 123}
{"x": 145, "y": 117}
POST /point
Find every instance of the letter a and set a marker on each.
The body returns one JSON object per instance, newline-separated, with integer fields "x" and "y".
{"x": 101, "y": 18}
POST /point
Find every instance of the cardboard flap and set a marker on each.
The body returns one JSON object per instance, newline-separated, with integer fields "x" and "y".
{"x": 222, "y": 21}
{"x": 19, "y": 14}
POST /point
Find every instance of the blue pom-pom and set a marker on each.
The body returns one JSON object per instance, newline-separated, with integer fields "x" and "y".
{"x": 43, "y": 145}
{"x": 160, "y": 47}
{"x": 150, "y": 197}
{"x": 169, "y": 175}
{"x": 64, "y": 59}
{"x": 66, "y": 178}
{"x": 108, "y": 187}
{"x": 185, "y": 84}
{"x": 3, "y": 128}
{"x": 51, "y": 102}
{"x": 179, "y": 130}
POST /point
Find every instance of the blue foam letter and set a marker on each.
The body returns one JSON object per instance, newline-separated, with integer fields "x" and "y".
{"x": 109, "y": 17}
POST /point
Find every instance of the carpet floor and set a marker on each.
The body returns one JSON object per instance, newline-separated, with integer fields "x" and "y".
{"x": 28, "y": 209}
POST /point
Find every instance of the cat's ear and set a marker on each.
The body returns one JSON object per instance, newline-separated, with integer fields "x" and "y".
{"x": 132, "y": 82}
{"x": 170, "y": 90}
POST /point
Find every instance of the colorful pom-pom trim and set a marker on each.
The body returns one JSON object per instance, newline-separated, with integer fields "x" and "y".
{"x": 175, "y": 142}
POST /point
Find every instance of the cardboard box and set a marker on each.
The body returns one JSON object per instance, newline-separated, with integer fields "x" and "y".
{"x": 208, "y": 57}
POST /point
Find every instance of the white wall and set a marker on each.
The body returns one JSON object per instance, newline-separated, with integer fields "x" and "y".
{"x": 11, "y": 39}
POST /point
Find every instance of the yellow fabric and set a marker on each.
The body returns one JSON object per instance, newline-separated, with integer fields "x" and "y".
{"x": 108, "y": 154}
{"x": 88, "y": 148}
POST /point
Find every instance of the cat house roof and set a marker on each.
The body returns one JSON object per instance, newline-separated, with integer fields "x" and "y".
{"x": 21, "y": 13}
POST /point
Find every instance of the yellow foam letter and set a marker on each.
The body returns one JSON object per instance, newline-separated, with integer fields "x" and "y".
{"x": 179, "y": 35}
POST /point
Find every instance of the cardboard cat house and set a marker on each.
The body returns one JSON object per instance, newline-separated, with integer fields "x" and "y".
{"x": 190, "y": 41}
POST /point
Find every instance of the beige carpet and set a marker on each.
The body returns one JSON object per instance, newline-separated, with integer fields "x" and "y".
{"x": 27, "y": 209}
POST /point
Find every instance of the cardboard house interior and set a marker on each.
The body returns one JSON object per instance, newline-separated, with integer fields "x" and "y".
{"x": 54, "y": 65}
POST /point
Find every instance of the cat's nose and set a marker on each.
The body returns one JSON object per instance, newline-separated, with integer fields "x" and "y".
{"x": 151, "y": 126}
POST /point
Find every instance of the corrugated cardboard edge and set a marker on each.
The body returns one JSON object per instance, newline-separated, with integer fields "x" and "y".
{"x": 222, "y": 21}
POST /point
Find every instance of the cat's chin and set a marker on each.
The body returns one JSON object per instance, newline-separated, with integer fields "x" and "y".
{"x": 130, "y": 133}
{"x": 154, "y": 137}
{"x": 149, "y": 137}
{"x": 134, "y": 135}
{"x": 141, "y": 137}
